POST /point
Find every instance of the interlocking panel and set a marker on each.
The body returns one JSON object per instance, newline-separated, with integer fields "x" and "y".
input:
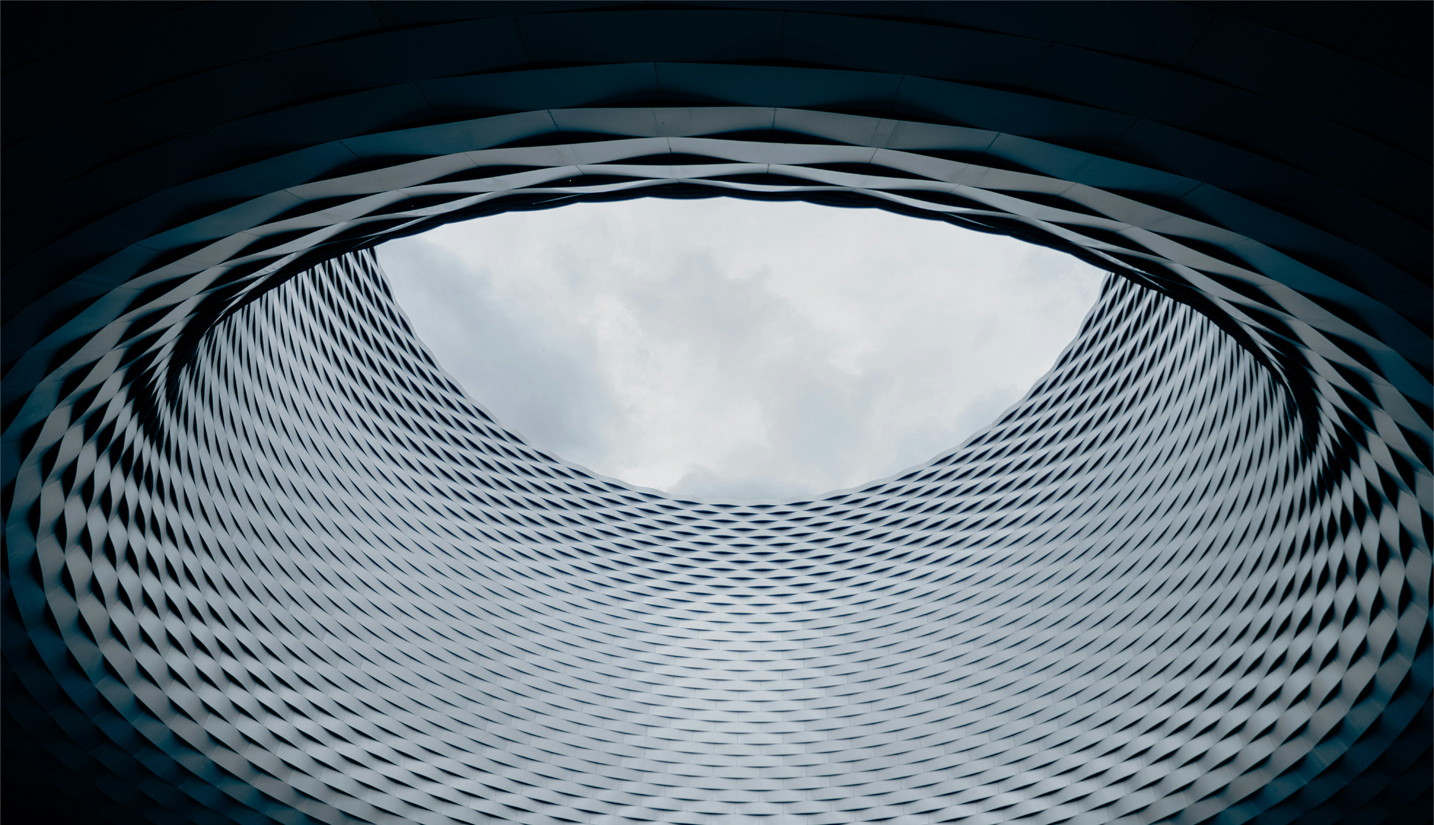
{"x": 264, "y": 561}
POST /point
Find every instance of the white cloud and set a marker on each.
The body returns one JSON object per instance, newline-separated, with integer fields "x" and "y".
{"x": 736, "y": 349}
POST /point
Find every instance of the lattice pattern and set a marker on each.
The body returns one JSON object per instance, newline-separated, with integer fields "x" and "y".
{"x": 324, "y": 573}
{"x": 263, "y": 562}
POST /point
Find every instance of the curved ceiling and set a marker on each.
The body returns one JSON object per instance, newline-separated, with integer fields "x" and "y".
{"x": 174, "y": 175}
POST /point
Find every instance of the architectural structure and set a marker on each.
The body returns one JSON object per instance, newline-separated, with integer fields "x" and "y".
{"x": 265, "y": 562}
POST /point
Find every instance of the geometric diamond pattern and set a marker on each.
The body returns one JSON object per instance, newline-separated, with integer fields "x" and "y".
{"x": 264, "y": 561}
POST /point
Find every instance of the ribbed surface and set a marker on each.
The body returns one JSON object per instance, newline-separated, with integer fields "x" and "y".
{"x": 264, "y": 563}
{"x": 321, "y": 570}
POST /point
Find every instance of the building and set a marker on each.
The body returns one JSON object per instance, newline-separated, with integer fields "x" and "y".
{"x": 265, "y": 562}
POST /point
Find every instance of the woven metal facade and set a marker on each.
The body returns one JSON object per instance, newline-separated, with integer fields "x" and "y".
{"x": 264, "y": 561}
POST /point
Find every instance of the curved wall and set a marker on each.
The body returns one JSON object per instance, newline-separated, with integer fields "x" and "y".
{"x": 265, "y": 562}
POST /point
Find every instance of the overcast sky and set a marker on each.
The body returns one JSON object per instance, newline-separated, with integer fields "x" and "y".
{"x": 726, "y": 349}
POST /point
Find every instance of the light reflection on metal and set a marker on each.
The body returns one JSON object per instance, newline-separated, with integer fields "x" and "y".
{"x": 265, "y": 562}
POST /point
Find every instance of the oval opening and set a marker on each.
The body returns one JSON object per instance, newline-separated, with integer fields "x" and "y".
{"x": 737, "y": 350}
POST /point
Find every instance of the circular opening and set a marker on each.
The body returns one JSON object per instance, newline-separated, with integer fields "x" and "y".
{"x": 738, "y": 350}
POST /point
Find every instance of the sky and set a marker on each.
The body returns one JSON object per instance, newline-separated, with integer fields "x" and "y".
{"x": 729, "y": 350}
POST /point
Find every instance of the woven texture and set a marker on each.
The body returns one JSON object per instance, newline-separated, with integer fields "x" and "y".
{"x": 265, "y": 562}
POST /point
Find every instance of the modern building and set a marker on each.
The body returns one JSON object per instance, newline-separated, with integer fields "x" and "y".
{"x": 265, "y": 562}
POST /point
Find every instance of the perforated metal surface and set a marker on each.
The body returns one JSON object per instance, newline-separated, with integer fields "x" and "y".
{"x": 265, "y": 562}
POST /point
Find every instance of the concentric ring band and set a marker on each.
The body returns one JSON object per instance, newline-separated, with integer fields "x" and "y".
{"x": 266, "y": 562}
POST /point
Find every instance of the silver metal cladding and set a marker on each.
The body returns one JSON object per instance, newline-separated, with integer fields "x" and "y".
{"x": 265, "y": 562}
